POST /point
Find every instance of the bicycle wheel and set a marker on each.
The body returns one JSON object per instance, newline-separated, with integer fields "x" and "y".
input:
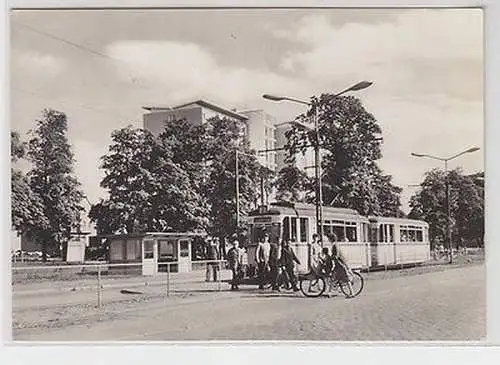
{"x": 357, "y": 283}
{"x": 312, "y": 287}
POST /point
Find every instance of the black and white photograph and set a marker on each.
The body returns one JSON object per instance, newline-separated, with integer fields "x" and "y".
{"x": 247, "y": 174}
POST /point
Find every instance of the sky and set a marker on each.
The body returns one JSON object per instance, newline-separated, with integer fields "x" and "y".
{"x": 101, "y": 66}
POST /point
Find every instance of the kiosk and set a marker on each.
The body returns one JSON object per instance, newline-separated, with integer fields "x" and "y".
{"x": 157, "y": 251}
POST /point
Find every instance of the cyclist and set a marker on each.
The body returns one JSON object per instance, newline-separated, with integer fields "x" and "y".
{"x": 341, "y": 270}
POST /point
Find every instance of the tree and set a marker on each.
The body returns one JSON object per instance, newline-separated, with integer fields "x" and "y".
{"x": 292, "y": 183}
{"x": 150, "y": 183}
{"x": 466, "y": 206}
{"x": 223, "y": 139}
{"x": 26, "y": 206}
{"x": 51, "y": 178}
{"x": 350, "y": 141}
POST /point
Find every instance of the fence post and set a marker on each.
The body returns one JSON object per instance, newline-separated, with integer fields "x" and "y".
{"x": 219, "y": 266}
{"x": 168, "y": 279}
{"x": 99, "y": 286}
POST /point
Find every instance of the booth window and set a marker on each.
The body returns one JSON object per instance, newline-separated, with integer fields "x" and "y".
{"x": 116, "y": 250}
{"x": 133, "y": 250}
{"x": 149, "y": 249}
{"x": 184, "y": 248}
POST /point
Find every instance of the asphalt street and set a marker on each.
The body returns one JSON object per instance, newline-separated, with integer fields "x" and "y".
{"x": 446, "y": 305}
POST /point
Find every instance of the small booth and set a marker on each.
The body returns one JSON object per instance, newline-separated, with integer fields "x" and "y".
{"x": 75, "y": 252}
{"x": 153, "y": 249}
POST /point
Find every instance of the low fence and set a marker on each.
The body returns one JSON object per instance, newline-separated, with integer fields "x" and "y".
{"x": 49, "y": 285}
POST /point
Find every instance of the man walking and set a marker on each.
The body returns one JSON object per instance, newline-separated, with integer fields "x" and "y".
{"x": 262, "y": 257}
{"x": 233, "y": 259}
{"x": 274, "y": 259}
{"x": 288, "y": 258}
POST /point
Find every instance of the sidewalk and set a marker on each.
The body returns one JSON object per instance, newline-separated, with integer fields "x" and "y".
{"x": 86, "y": 284}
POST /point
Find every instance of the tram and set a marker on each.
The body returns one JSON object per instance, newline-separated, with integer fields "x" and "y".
{"x": 366, "y": 242}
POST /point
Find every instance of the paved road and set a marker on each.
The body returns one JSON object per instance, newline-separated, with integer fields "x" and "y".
{"x": 448, "y": 305}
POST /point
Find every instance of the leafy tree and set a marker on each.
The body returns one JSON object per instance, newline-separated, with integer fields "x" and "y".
{"x": 292, "y": 183}
{"x": 223, "y": 139}
{"x": 51, "y": 178}
{"x": 26, "y": 206}
{"x": 150, "y": 183}
{"x": 466, "y": 206}
{"x": 350, "y": 140}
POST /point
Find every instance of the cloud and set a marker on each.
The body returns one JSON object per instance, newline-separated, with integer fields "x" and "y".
{"x": 177, "y": 71}
{"x": 422, "y": 51}
{"x": 43, "y": 65}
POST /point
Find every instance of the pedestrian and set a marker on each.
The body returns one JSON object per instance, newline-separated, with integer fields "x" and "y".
{"x": 288, "y": 258}
{"x": 233, "y": 259}
{"x": 274, "y": 260}
{"x": 213, "y": 257}
{"x": 341, "y": 270}
{"x": 243, "y": 262}
{"x": 315, "y": 250}
{"x": 326, "y": 263}
{"x": 262, "y": 258}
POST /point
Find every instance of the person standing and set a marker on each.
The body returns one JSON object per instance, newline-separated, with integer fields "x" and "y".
{"x": 315, "y": 250}
{"x": 341, "y": 270}
{"x": 288, "y": 258}
{"x": 262, "y": 258}
{"x": 274, "y": 260}
{"x": 233, "y": 259}
{"x": 213, "y": 256}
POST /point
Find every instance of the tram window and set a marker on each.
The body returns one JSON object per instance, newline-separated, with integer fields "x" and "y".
{"x": 391, "y": 233}
{"x": 286, "y": 229}
{"x": 293, "y": 229}
{"x": 339, "y": 233}
{"x": 351, "y": 234}
{"x": 412, "y": 235}
{"x": 419, "y": 236}
{"x": 381, "y": 233}
{"x": 303, "y": 230}
{"x": 404, "y": 235}
{"x": 327, "y": 230}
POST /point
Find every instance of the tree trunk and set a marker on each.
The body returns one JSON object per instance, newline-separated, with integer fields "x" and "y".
{"x": 44, "y": 251}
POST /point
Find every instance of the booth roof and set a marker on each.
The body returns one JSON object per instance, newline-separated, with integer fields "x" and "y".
{"x": 154, "y": 234}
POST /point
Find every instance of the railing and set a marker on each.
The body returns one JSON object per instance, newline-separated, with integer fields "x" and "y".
{"x": 60, "y": 284}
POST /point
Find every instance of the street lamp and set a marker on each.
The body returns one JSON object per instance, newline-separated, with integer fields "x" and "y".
{"x": 319, "y": 194}
{"x": 445, "y": 160}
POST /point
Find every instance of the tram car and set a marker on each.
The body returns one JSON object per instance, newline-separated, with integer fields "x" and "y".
{"x": 366, "y": 242}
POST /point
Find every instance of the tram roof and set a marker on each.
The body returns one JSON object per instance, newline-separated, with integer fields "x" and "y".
{"x": 301, "y": 208}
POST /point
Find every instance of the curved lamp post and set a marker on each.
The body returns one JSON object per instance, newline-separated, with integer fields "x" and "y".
{"x": 319, "y": 195}
{"x": 445, "y": 160}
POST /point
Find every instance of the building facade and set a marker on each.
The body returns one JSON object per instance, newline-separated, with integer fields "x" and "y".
{"x": 262, "y": 137}
{"x": 196, "y": 112}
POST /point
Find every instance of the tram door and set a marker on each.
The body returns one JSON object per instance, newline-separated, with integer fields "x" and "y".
{"x": 373, "y": 235}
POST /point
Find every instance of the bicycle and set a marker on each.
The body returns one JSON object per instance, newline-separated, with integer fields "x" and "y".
{"x": 283, "y": 280}
{"x": 313, "y": 285}
{"x": 356, "y": 280}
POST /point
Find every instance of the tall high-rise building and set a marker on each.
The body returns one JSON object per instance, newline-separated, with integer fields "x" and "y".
{"x": 196, "y": 112}
{"x": 261, "y": 135}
